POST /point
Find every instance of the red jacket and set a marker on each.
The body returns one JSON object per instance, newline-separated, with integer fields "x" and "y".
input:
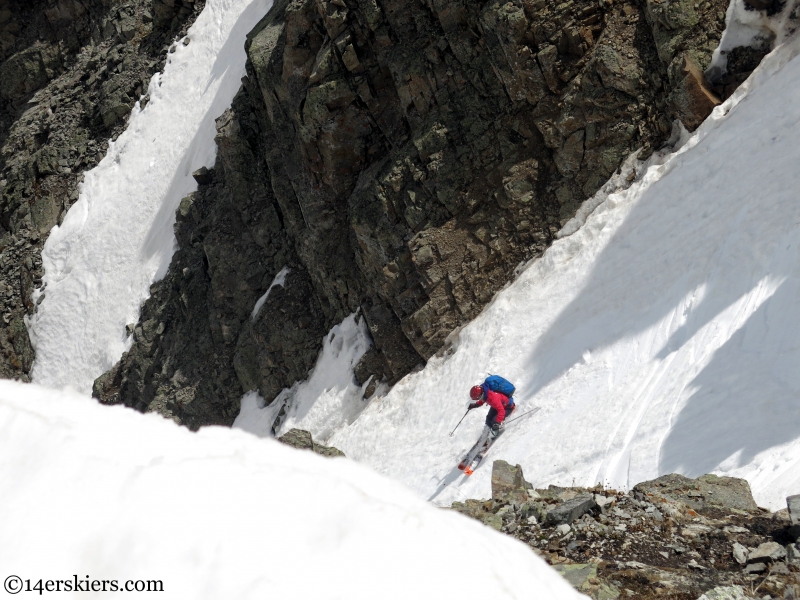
{"x": 497, "y": 401}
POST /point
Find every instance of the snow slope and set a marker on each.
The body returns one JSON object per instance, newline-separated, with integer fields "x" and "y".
{"x": 329, "y": 399}
{"x": 105, "y": 493}
{"x": 661, "y": 336}
{"x": 117, "y": 238}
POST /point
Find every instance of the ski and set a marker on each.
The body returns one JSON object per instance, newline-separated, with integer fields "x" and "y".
{"x": 478, "y": 452}
{"x": 477, "y": 460}
{"x": 473, "y": 452}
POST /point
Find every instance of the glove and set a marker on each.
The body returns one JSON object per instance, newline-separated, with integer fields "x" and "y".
{"x": 496, "y": 427}
{"x": 472, "y": 405}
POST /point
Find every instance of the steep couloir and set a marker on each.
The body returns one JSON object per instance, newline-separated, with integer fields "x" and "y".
{"x": 70, "y": 73}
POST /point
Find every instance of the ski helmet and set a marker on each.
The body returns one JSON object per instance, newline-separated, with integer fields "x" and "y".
{"x": 476, "y": 392}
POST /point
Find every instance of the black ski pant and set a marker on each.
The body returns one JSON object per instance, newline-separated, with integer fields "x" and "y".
{"x": 492, "y": 414}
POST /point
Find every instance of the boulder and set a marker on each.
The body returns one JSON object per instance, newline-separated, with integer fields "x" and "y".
{"x": 739, "y": 553}
{"x": 203, "y": 176}
{"x": 728, "y": 592}
{"x": 792, "y": 553}
{"x": 27, "y": 71}
{"x": 299, "y": 438}
{"x": 793, "y": 532}
{"x": 570, "y": 510}
{"x": 793, "y": 506}
{"x": 754, "y": 568}
{"x": 508, "y": 484}
{"x": 766, "y": 553}
{"x": 604, "y": 501}
{"x": 164, "y": 11}
{"x": 534, "y": 510}
{"x": 707, "y": 491}
{"x": 781, "y": 515}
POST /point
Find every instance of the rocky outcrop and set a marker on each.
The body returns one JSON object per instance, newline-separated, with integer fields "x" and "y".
{"x": 686, "y": 50}
{"x": 71, "y": 71}
{"x": 508, "y": 484}
{"x": 659, "y": 541}
{"x": 299, "y": 438}
{"x": 705, "y": 492}
{"x": 409, "y": 157}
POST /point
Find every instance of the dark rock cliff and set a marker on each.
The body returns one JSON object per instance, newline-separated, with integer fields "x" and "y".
{"x": 70, "y": 73}
{"x": 401, "y": 159}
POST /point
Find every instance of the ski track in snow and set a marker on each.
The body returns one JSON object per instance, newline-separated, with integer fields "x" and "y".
{"x": 660, "y": 336}
{"x": 117, "y": 238}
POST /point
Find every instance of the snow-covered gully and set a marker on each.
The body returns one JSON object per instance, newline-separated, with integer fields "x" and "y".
{"x": 117, "y": 239}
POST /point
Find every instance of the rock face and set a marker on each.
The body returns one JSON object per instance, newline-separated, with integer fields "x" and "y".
{"x": 70, "y": 73}
{"x": 299, "y": 438}
{"x": 658, "y": 544}
{"x": 401, "y": 159}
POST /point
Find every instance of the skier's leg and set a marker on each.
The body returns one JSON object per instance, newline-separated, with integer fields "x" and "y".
{"x": 490, "y": 417}
{"x": 476, "y": 448}
{"x": 479, "y": 451}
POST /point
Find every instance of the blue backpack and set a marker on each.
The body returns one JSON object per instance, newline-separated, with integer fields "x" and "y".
{"x": 500, "y": 385}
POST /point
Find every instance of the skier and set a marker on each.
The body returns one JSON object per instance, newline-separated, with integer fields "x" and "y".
{"x": 497, "y": 392}
{"x": 500, "y": 406}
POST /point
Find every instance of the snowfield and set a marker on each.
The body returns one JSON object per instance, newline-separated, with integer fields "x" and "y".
{"x": 106, "y": 493}
{"x": 661, "y": 336}
{"x": 117, "y": 238}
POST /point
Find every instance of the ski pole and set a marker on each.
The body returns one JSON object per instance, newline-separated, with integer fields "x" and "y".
{"x": 519, "y": 417}
{"x": 459, "y": 423}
